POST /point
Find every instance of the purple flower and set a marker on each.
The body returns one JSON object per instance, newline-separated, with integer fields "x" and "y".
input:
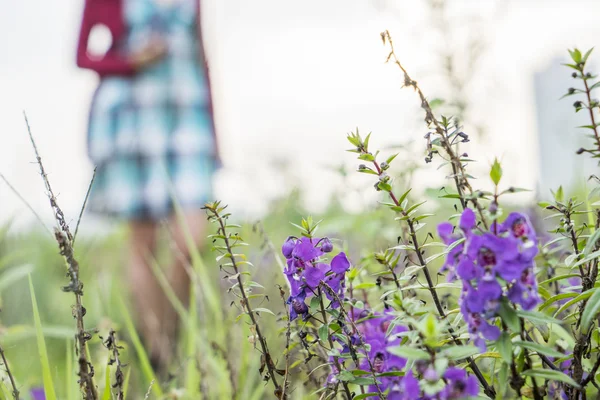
{"x": 340, "y": 264}
{"x": 460, "y": 385}
{"x": 313, "y": 275}
{"x": 37, "y": 394}
{"x": 306, "y": 251}
{"x": 326, "y": 245}
{"x": 288, "y": 246}
{"x": 298, "y": 307}
{"x": 524, "y": 291}
{"x": 492, "y": 267}
{"x": 409, "y": 387}
{"x": 467, "y": 221}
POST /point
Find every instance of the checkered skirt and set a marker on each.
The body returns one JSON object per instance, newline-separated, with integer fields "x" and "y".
{"x": 151, "y": 136}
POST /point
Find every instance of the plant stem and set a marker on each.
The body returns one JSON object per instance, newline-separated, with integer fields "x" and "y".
{"x": 245, "y": 301}
{"x": 355, "y": 329}
{"x": 460, "y": 177}
{"x": 336, "y": 359}
{"x": 489, "y": 390}
{"x": 287, "y": 347}
{"x": 15, "y": 392}
{"x": 588, "y": 94}
{"x": 64, "y": 239}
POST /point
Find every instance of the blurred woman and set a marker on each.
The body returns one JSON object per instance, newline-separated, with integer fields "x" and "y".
{"x": 151, "y": 136}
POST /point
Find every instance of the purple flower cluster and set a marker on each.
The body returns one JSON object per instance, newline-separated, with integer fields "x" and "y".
{"x": 491, "y": 266}
{"x": 459, "y": 385}
{"x": 306, "y": 270}
{"x": 375, "y": 333}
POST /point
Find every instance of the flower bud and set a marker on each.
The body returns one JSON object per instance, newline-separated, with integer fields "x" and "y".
{"x": 288, "y": 246}
{"x": 326, "y": 245}
{"x": 384, "y": 166}
{"x": 571, "y": 90}
{"x": 574, "y": 74}
{"x": 362, "y": 167}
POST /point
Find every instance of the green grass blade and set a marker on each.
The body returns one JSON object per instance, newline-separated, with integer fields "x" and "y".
{"x": 192, "y": 375}
{"x": 147, "y": 370}
{"x": 210, "y": 293}
{"x": 14, "y": 274}
{"x": 5, "y": 391}
{"x": 126, "y": 383}
{"x": 69, "y": 373}
{"x": 46, "y": 372}
{"x": 106, "y": 395}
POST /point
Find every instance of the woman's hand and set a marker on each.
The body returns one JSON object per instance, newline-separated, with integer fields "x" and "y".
{"x": 155, "y": 50}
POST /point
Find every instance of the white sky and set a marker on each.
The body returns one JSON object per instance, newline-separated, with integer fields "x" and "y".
{"x": 291, "y": 79}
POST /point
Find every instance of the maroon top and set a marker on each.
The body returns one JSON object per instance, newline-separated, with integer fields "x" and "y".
{"x": 110, "y": 13}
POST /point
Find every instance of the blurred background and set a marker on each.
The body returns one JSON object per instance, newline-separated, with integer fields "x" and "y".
{"x": 292, "y": 79}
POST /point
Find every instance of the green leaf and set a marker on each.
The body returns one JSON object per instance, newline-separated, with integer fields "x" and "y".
{"x": 460, "y": 352}
{"x": 550, "y": 375}
{"x": 366, "y": 141}
{"x": 587, "y": 258}
{"x": 41, "y": 344}
{"x": 409, "y": 353}
{"x": 323, "y": 333}
{"x": 556, "y": 298}
{"x": 538, "y": 318}
{"x": 366, "y": 157}
{"x": 345, "y": 376}
{"x": 544, "y": 349}
{"x": 144, "y": 362}
{"x": 504, "y": 346}
{"x": 503, "y": 378}
{"x": 384, "y": 186}
{"x": 106, "y": 395}
{"x": 586, "y": 55}
{"x": 558, "y": 278}
{"x": 509, "y": 316}
{"x": 260, "y": 309}
{"x": 583, "y": 296}
{"x": 365, "y": 285}
{"x": 404, "y": 195}
{"x": 315, "y": 303}
{"x": 575, "y": 55}
{"x": 391, "y": 158}
{"x": 559, "y": 195}
{"x": 496, "y": 172}
{"x": 365, "y": 395}
{"x": 592, "y": 308}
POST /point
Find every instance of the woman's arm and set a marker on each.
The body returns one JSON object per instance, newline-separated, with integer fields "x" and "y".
{"x": 107, "y": 13}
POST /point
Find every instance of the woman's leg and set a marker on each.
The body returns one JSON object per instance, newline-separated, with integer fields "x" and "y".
{"x": 195, "y": 224}
{"x": 148, "y": 297}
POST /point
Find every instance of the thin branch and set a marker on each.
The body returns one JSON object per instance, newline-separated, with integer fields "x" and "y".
{"x": 461, "y": 180}
{"x": 87, "y": 195}
{"x": 489, "y": 390}
{"x": 245, "y": 302}
{"x": 16, "y": 192}
{"x": 15, "y": 391}
{"x": 64, "y": 239}
{"x": 288, "y": 333}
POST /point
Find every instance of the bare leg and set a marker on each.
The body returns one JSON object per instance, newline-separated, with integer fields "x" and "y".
{"x": 195, "y": 224}
{"x": 148, "y": 297}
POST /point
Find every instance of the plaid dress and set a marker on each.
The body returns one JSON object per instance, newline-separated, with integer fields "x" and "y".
{"x": 151, "y": 135}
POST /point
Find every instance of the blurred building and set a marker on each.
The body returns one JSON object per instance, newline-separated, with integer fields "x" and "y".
{"x": 558, "y": 135}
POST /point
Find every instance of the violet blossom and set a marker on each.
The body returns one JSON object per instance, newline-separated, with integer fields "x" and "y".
{"x": 492, "y": 266}
{"x": 306, "y": 270}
